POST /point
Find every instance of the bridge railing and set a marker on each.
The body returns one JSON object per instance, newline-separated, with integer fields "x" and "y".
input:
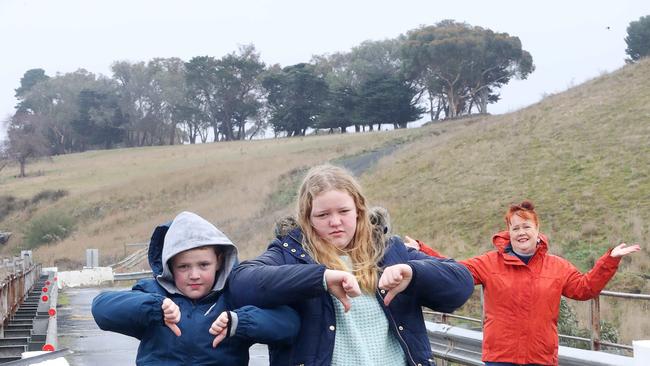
{"x": 463, "y": 346}
{"x": 18, "y": 276}
{"x": 594, "y": 341}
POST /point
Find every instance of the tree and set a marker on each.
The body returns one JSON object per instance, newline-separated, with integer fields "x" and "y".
{"x": 388, "y": 99}
{"x": 465, "y": 65}
{"x": 25, "y": 140}
{"x": 55, "y": 104}
{"x": 4, "y": 154}
{"x": 201, "y": 79}
{"x": 27, "y": 82}
{"x": 295, "y": 96}
{"x": 638, "y": 39}
{"x": 238, "y": 88}
{"x": 168, "y": 90}
{"x": 348, "y": 74}
{"x": 100, "y": 122}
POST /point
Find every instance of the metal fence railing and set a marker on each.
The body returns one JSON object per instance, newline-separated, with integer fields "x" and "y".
{"x": 463, "y": 346}
{"x": 19, "y": 276}
{"x": 594, "y": 341}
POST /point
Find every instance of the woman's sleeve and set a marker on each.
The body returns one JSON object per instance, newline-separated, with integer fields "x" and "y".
{"x": 479, "y": 267}
{"x": 276, "y": 325}
{"x": 441, "y": 284}
{"x": 268, "y": 282}
{"x": 586, "y": 286}
{"x": 474, "y": 265}
{"x": 429, "y": 251}
{"x": 127, "y": 312}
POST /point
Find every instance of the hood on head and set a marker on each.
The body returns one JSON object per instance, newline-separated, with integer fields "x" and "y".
{"x": 501, "y": 240}
{"x": 188, "y": 231}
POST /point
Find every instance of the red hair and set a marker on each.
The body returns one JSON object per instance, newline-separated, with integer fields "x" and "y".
{"x": 525, "y": 210}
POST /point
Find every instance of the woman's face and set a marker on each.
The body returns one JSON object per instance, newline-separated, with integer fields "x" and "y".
{"x": 523, "y": 235}
{"x": 334, "y": 217}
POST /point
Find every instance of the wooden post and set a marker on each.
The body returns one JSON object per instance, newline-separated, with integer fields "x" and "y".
{"x": 595, "y": 323}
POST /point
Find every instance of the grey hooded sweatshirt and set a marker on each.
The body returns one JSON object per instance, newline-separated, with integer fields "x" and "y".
{"x": 190, "y": 231}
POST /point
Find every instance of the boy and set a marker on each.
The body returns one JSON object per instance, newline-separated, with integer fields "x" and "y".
{"x": 183, "y": 316}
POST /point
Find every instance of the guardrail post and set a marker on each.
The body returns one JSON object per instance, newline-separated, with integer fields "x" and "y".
{"x": 595, "y": 323}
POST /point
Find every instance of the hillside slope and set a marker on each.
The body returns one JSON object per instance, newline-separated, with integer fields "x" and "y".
{"x": 582, "y": 156}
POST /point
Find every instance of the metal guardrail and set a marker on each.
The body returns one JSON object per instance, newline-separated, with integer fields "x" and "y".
{"x": 464, "y": 346}
{"x": 131, "y": 259}
{"x": 40, "y": 358}
{"x": 595, "y": 342}
{"x": 132, "y": 276}
{"x": 21, "y": 275}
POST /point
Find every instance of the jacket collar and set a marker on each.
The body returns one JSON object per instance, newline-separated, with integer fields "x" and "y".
{"x": 501, "y": 241}
{"x": 292, "y": 244}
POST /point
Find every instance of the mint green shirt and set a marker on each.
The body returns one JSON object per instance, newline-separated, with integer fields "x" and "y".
{"x": 363, "y": 336}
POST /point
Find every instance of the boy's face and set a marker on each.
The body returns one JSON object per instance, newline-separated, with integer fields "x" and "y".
{"x": 195, "y": 270}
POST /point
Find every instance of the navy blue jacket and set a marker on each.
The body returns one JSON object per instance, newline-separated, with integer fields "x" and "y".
{"x": 286, "y": 274}
{"x": 138, "y": 313}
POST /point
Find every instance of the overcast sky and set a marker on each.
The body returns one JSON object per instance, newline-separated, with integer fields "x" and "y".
{"x": 570, "y": 41}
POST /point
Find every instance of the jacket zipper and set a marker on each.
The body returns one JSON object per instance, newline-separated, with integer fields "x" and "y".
{"x": 390, "y": 315}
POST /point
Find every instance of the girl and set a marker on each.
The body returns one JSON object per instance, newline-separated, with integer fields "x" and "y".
{"x": 358, "y": 295}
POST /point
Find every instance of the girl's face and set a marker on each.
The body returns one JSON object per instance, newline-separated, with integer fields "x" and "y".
{"x": 523, "y": 235}
{"x": 334, "y": 217}
{"x": 194, "y": 271}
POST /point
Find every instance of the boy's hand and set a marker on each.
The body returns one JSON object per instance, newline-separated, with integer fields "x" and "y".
{"x": 342, "y": 285}
{"x": 171, "y": 315}
{"x": 395, "y": 279}
{"x": 219, "y": 329}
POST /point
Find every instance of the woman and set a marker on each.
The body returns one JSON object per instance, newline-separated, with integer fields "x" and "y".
{"x": 358, "y": 299}
{"x": 523, "y": 285}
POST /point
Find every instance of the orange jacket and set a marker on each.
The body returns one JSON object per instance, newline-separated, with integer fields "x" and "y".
{"x": 522, "y": 302}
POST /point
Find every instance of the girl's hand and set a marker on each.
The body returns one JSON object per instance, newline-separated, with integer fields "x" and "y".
{"x": 342, "y": 285}
{"x": 219, "y": 328}
{"x": 171, "y": 315}
{"x": 395, "y": 279}
{"x": 622, "y": 249}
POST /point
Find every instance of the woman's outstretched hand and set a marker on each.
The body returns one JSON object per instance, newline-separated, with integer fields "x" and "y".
{"x": 171, "y": 315}
{"x": 395, "y": 279}
{"x": 622, "y": 249}
{"x": 342, "y": 285}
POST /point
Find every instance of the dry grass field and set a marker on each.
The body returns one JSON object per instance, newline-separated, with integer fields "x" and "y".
{"x": 583, "y": 156}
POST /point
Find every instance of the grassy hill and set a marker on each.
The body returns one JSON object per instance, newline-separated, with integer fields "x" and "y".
{"x": 582, "y": 156}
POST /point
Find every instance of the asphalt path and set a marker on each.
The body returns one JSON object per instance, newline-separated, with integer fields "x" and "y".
{"x": 94, "y": 347}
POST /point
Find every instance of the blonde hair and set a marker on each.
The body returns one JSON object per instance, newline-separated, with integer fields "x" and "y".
{"x": 364, "y": 252}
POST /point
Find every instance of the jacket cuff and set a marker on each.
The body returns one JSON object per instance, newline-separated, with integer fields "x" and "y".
{"x": 234, "y": 320}
{"x": 611, "y": 261}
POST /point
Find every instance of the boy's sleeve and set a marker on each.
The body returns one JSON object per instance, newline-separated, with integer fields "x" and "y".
{"x": 127, "y": 312}
{"x": 276, "y": 325}
{"x": 441, "y": 284}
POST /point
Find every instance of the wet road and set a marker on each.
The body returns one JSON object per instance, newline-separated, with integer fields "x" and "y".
{"x": 94, "y": 347}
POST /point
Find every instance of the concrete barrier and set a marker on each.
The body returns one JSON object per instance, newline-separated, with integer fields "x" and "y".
{"x": 86, "y": 277}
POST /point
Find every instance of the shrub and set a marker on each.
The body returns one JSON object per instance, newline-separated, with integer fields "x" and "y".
{"x": 49, "y": 194}
{"x": 9, "y": 204}
{"x": 48, "y": 228}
